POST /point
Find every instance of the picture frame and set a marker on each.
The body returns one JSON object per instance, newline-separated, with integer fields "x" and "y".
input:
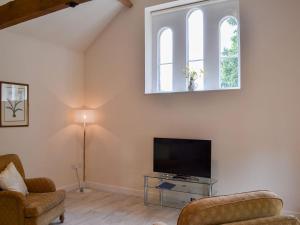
{"x": 14, "y": 104}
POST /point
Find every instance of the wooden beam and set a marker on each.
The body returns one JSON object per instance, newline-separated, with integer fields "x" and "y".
{"x": 126, "y": 3}
{"x": 19, "y": 11}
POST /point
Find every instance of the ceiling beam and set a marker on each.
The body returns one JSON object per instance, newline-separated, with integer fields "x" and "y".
{"x": 126, "y": 3}
{"x": 19, "y": 11}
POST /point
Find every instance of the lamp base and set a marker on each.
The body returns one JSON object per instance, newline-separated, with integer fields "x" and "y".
{"x": 84, "y": 190}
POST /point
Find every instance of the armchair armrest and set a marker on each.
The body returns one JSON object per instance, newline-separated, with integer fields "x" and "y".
{"x": 40, "y": 185}
{"x": 11, "y": 208}
{"x": 275, "y": 220}
{"x": 231, "y": 208}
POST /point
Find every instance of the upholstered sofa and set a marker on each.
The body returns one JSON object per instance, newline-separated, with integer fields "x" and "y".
{"x": 41, "y": 206}
{"x": 252, "y": 208}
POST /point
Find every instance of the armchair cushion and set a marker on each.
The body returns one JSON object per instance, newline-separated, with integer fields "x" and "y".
{"x": 11, "y": 180}
{"x": 40, "y": 185}
{"x": 38, "y": 203}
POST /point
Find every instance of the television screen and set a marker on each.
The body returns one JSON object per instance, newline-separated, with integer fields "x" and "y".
{"x": 182, "y": 157}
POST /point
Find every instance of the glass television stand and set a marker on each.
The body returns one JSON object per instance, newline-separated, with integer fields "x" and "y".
{"x": 168, "y": 190}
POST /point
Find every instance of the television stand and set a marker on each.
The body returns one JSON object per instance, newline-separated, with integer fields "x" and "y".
{"x": 175, "y": 191}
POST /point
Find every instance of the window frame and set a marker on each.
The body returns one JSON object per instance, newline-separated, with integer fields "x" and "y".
{"x": 159, "y": 64}
{"x": 187, "y": 47}
{"x": 150, "y": 48}
{"x": 149, "y": 85}
{"x": 222, "y": 20}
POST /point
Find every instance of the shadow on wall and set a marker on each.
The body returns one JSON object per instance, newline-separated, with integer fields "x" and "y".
{"x": 51, "y": 139}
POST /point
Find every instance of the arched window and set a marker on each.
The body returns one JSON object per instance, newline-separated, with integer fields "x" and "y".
{"x": 229, "y": 53}
{"x": 165, "y": 60}
{"x": 196, "y": 46}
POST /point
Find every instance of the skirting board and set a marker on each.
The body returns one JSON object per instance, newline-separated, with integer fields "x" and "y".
{"x": 114, "y": 189}
{"x": 68, "y": 188}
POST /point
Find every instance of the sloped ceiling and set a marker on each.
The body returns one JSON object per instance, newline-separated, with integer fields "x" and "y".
{"x": 75, "y": 28}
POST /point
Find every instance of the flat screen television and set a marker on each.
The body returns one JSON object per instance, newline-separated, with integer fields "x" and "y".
{"x": 182, "y": 157}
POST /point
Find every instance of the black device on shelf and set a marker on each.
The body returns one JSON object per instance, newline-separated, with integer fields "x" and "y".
{"x": 183, "y": 157}
{"x": 166, "y": 186}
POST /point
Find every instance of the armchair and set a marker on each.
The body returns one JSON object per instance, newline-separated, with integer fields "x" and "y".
{"x": 252, "y": 208}
{"x": 40, "y": 207}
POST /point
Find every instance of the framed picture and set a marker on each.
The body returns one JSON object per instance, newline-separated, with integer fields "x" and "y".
{"x": 14, "y": 104}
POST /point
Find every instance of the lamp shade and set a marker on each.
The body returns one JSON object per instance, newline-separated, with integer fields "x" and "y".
{"x": 85, "y": 116}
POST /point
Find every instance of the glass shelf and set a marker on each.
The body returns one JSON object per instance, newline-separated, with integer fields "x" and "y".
{"x": 169, "y": 204}
{"x": 180, "y": 189}
{"x": 172, "y": 177}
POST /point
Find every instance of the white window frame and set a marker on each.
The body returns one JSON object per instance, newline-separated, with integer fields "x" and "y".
{"x": 150, "y": 81}
{"x": 148, "y": 35}
{"x": 238, "y": 56}
{"x": 188, "y": 61}
{"x": 159, "y": 64}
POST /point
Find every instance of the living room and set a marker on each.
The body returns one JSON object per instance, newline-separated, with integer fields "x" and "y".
{"x": 93, "y": 58}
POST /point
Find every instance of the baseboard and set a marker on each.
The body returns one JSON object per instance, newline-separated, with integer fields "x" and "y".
{"x": 69, "y": 187}
{"x": 114, "y": 189}
{"x": 287, "y": 212}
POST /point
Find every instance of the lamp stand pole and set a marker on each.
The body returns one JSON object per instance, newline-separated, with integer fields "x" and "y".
{"x": 84, "y": 157}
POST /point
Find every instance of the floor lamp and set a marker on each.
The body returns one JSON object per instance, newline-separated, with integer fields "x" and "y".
{"x": 84, "y": 117}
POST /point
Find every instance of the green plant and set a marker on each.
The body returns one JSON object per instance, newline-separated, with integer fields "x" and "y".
{"x": 14, "y": 107}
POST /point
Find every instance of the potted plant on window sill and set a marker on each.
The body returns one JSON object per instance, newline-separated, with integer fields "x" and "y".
{"x": 192, "y": 76}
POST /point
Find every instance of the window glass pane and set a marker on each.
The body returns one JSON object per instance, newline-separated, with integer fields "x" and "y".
{"x": 198, "y": 67}
{"x": 229, "y": 72}
{"x": 166, "y": 77}
{"x": 229, "y": 37}
{"x": 229, "y": 53}
{"x": 166, "y": 46}
{"x": 195, "y": 35}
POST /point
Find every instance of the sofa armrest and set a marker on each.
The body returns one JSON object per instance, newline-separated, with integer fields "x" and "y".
{"x": 40, "y": 185}
{"x": 11, "y": 208}
{"x": 275, "y": 220}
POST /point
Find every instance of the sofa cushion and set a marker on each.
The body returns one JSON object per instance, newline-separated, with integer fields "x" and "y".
{"x": 11, "y": 180}
{"x": 38, "y": 203}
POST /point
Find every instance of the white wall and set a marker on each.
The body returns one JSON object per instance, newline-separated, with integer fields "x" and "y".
{"x": 51, "y": 144}
{"x": 255, "y": 131}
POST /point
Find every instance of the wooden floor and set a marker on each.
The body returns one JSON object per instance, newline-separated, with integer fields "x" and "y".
{"x": 102, "y": 208}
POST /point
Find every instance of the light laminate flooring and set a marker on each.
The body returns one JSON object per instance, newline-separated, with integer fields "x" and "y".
{"x": 103, "y": 208}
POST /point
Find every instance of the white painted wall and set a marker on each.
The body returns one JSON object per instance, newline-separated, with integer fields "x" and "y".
{"x": 51, "y": 144}
{"x": 255, "y": 131}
